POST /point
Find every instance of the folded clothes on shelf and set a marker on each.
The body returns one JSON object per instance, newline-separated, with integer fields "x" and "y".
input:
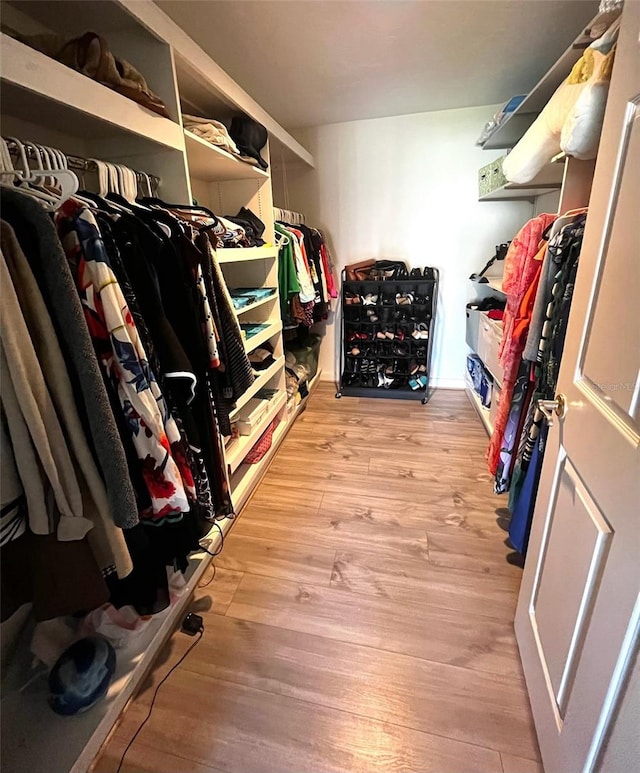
{"x": 244, "y": 296}
{"x": 250, "y": 329}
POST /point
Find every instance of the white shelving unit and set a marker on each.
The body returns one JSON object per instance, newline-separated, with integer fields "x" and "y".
{"x": 47, "y": 102}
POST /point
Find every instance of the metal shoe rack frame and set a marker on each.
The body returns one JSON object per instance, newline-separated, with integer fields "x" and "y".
{"x": 420, "y": 286}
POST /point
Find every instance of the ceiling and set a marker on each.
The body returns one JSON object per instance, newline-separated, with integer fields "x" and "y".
{"x": 312, "y": 62}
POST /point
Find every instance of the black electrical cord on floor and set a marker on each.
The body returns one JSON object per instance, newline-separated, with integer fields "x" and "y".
{"x": 155, "y": 693}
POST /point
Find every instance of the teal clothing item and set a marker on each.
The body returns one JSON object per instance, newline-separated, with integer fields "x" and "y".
{"x": 287, "y": 276}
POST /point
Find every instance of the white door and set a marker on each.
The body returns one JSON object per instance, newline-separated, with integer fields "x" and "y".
{"x": 578, "y": 616}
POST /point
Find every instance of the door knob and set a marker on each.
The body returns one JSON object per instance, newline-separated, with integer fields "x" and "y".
{"x": 549, "y": 407}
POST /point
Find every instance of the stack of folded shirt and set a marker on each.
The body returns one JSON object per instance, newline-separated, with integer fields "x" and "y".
{"x": 216, "y": 133}
{"x": 210, "y": 130}
{"x": 243, "y": 296}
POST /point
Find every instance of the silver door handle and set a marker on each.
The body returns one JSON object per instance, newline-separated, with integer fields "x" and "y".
{"x": 549, "y": 407}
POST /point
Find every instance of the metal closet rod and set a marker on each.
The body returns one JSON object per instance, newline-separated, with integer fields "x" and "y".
{"x": 288, "y": 216}
{"x": 86, "y": 164}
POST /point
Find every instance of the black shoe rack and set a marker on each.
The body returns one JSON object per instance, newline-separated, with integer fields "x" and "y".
{"x": 387, "y": 335}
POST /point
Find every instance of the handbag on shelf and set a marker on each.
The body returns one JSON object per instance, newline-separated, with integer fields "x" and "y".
{"x": 376, "y": 270}
{"x": 359, "y": 272}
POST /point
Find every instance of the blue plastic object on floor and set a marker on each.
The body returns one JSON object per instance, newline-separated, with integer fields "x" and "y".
{"x": 81, "y": 675}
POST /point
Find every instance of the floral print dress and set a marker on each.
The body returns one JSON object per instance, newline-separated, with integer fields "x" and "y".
{"x": 122, "y": 356}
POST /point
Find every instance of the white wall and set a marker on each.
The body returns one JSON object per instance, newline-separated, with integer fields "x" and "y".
{"x": 406, "y": 187}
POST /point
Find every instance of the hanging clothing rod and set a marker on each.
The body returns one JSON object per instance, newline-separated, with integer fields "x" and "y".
{"x": 84, "y": 164}
{"x": 287, "y": 216}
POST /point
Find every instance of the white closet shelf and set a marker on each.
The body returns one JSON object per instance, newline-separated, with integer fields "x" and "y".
{"x": 240, "y": 254}
{"x": 482, "y": 412}
{"x": 255, "y": 305}
{"x": 239, "y": 447}
{"x": 85, "y": 733}
{"x": 213, "y": 164}
{"x": 247, "y": 476}
{"x": 264, "y": 335}
{"x": 511, "y": 130}
{"x": 261, "y": 381}
{"x": 549, "y": 179}
{"x": 36, "y": 87}
{"x": 494, "y": 283}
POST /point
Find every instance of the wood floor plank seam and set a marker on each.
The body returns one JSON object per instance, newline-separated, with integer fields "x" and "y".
{"x": 434, "y": 605}
{"x": 340, "y": 711}
{"x": 367, "y": 646}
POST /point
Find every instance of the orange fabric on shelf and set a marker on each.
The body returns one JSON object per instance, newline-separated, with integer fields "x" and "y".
{"x": 523, "y": 266}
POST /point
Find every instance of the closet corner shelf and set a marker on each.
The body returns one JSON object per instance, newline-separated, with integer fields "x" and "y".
{"x": 240, "y": 255}
{"x": 513, "y": 128}
{"x": 33, "y": 84}
{"x": 482, "y": 412}
{"x": 247, "y": 476}
{"x": 213, "y": 164}
{"x": 262, "y": 380}
{"x": 239, "y": 447}
{"x": 264, "y": 335}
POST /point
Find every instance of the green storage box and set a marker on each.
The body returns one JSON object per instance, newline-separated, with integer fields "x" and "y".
{"x": 491, "y": 177}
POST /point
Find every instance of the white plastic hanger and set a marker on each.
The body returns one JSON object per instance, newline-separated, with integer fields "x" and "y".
{"x": 66, "y": 179}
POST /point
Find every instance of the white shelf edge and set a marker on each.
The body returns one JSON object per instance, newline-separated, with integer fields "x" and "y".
{"x": 247, "y": 476}
{"x": 219, "y": 159}
{"x": 257, "y": 304}
{"x": 483, "y": 413}
{"x": 34, "y": 72}
{"x": 257, "y": 385}
{"x": 515, "y": 192}
{"x": 239, "y": 447}
{"x": 242, "y": 254}
{"x": 264, "y": 335}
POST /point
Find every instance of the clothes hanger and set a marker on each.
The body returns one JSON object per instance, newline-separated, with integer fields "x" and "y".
{"x": 66, "y": 179}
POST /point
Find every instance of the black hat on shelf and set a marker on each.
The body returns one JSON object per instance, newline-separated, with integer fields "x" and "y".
{"x": 250, "y": 137}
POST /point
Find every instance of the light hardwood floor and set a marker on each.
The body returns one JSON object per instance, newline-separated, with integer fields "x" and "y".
{"x": 361, "y": 617}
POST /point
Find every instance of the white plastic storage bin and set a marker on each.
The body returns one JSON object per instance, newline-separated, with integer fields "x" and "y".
{"x": 489, "y": 336}
{"x": 251, "y": 415}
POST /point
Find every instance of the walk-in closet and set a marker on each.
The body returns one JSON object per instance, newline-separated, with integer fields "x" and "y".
{"x": 320, "y": 386}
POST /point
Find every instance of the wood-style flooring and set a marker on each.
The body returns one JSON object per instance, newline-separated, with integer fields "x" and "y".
{"x": 361, "y": 616}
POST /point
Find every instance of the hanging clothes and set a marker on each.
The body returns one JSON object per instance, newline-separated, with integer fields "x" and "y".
{"x": 564, "y": 252}
{"x": 38, "y": 240}
{"x": 522, "y": 269}
{"x": 305, "y": 275}
{"x": 122, "y": 356}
